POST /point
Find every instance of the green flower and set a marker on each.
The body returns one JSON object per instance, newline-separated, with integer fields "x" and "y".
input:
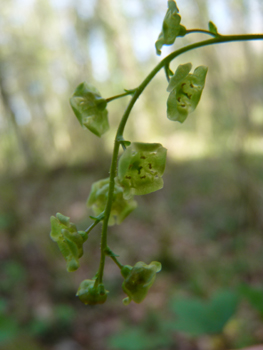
{"x": 138, "y": 280}
{"x": 91, "y": 295}
{"x": 69, "y": 240}
{"x": 185, "y": 91}
{"x": 171, "y": 27}
{"x": 121, "y": 207}
{"x": 140, "y": 168}
{"x": 90, "y": 108}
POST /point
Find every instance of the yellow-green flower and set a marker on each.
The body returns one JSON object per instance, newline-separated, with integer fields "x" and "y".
{"x": 141, "y": 167}
{"x": 90, "y": 108}
{"x": 171, "y": 28}
{"x": 91, "y": 295}
{"x": 138, "y": 280}
{"x": 69, "y": 239}
{"x": 121, "y": 207}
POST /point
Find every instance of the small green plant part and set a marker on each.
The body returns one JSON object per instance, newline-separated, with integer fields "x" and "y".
{"x": 120, "y": 208}
{"x": 90, "y": 108}
{"x": 138, "y": 279}
{"x": 185, "y": 91}
{"x": 69, "y": 239}
{"x": 91, "y": 293}
{"x": 139, "y": 170}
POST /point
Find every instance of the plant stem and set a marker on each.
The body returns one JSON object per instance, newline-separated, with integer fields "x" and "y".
{"x": 189, "y": 31}
{"x": 110, "y": 253}
{"x": 116, "y": 261}
{"x": 128, "y": 92}
{"x": 137, "y": 92}
{"x": 168, "y": 72}
{"x": 91, "y": 226}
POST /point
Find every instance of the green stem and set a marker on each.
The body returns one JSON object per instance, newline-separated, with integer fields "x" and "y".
{"x": 91, "y": 226}
{"x": 137, "y": 92}
{"x": 110, "y": 253}
{"x": 95, "y": 223}
{"x": 168, "y": 72}
{"x": 189, "y": 31}
{"x": 128, "y": 92}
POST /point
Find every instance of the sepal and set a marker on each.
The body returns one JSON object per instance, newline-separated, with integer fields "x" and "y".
{"x": 69, "y": 239}
{"x": 138, "y": 280}
{"x": 140, "y": 168}
{"x": 90, "y": 108}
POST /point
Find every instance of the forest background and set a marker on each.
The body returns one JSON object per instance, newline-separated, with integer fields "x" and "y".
{"x": 205, "y": 226}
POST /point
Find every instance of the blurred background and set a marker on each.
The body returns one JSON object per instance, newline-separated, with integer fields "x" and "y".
{"x": 205, "y": 226}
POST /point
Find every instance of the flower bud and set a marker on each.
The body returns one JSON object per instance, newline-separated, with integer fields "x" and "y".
{"x": 91, "y": 295}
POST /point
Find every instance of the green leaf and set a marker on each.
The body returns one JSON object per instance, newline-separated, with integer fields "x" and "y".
{"x": 121, "y": 207}
{"x": 197, "y": 317}
{"x": 138, "y": 280}
{"x": 171, "y": 28}
{"x": 139, "y": 339}
{"x": 140, "y": 168}
{"x": 254, "y": 296}
{"x": 186, "y": 90}
{"x": 9, "y": 329}
{"x": 13, "y": 275}
{"x": 91, "y": 295}
{"x": 90, "y": 108}
{"x": 64, "y": 314}
{"x": 69, "y": 240}
{"x": 212, "y": 28}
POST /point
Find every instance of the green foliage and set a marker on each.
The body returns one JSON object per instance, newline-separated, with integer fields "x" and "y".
{"x": 13, "y": 273}
{"x": 138, "y": 279}
{"x": 138, "y": 339}
{"x": 90, "y": 108}
{"x": 69, "y": 239}
{"x": 254, "y": 296}
{"x": 140, "y": 168}
{"x": 197, "y": 317}
{"x": 9, "y": 328}
{"x": 171, "y": 27}
{"x": 92, "y": 294}
{"x": 185, "y": 91}
{"x": 121, "y": 207}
